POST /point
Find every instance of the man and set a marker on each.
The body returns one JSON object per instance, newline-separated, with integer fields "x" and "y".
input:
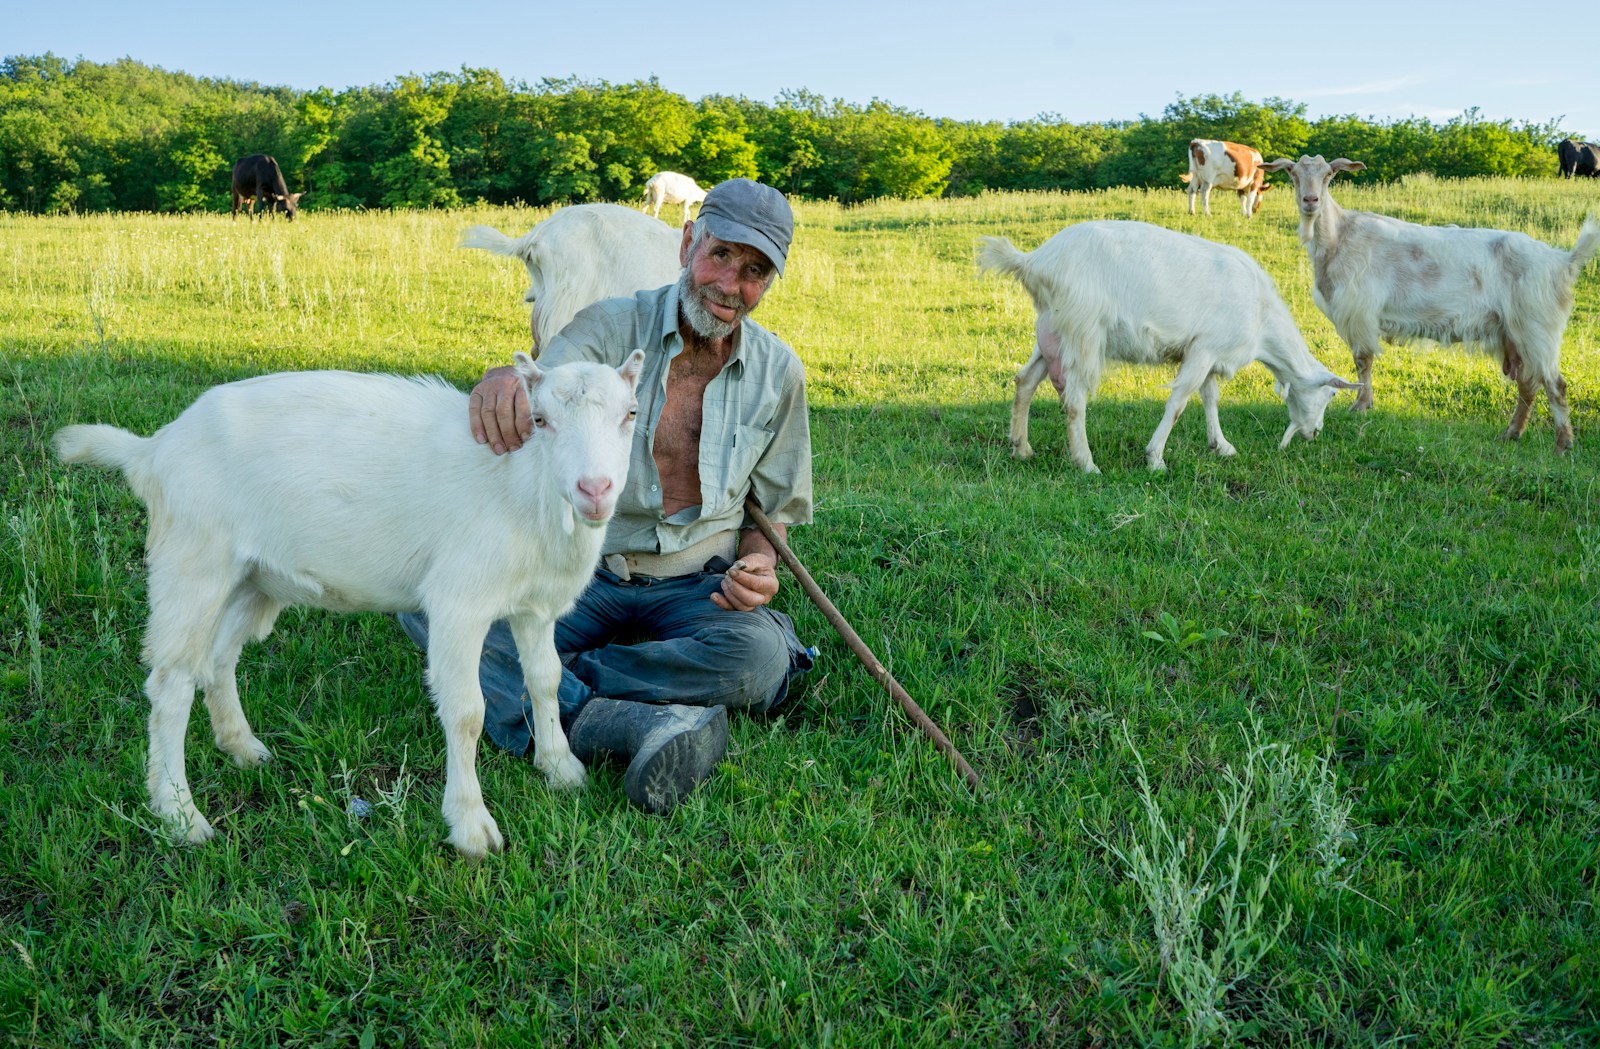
{"x": 676, "y": 625}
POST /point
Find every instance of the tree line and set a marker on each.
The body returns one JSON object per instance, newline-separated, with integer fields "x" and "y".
{"x": 80, "y": 136}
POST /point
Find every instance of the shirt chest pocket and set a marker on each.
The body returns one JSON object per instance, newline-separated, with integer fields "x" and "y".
{"x": 749, "y": 444}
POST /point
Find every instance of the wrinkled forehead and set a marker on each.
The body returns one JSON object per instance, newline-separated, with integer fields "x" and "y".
{"x": 743, "y": 254}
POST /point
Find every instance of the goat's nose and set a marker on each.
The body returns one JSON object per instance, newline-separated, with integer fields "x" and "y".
{"x": 595, "y": 487}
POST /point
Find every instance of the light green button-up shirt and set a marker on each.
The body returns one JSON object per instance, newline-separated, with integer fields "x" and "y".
{"x": 755, "y": 436}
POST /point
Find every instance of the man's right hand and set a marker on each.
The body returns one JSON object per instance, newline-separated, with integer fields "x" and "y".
{"x": 498, "y": 410}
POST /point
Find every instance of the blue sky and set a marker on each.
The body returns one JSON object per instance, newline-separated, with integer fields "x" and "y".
{"x": 988, "y": 59}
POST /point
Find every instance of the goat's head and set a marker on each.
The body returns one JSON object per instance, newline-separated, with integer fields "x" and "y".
{"x": 583, "y": 417}
{"x": 1311, "y": 176}
{"x": 1308, "y": 403}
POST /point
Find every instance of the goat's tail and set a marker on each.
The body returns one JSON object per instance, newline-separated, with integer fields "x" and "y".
{"x": 100, "y": 445}
{"x": 999, "y": 255}
{"x": 1588, "y": 244}
{"x": 487, "y": 238}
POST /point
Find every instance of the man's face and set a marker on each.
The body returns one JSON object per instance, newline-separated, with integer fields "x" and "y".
{"x": 720, "y": 284}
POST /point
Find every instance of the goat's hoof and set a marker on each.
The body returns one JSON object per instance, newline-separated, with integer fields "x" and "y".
{"x": 1225, "y": 449}
{"x": 1021, "y": 451}
{"x": 565, "y": 774}
{"x": 1158, "y": 467}
{"x": 1507, "y": 436}
{"x": 477, "y": 835}
{"x": 1361, "y": 407}
{"x": 250, "y": 754}
{"x": 1091, "y": 468}
{"x": 190, "y": 828}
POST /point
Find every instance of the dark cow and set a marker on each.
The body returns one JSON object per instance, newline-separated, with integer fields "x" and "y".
{"x": 1578, "y": 158}
{"x": 258, "y": 178}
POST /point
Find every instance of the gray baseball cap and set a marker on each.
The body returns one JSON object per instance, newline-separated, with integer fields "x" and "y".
{"x": 744, "y": 212}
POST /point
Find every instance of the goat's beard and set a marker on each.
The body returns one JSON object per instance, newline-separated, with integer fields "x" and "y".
{"x": 706, "y": 324}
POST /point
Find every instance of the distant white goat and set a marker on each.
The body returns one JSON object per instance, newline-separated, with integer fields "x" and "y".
{"x": 272, "y": 492}
{"x": 669, "y": 187}
{"x": 581, "y": 255}
{"x": 1130, "y": 291}
{"x": 1380, "y": 278}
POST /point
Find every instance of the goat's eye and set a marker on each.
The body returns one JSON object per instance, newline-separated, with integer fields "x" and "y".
{"x": 540, "y": 422}
{"x": 633, "y": 413}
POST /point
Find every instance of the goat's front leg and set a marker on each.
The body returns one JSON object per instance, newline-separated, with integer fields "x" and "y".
{"x": 1210, "y": 395}
{"x": 541, "y": 675}
{"x": 1190, "y": 378}
{"x": 455, "y": 647}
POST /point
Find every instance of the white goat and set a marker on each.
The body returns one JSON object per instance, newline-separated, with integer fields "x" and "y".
{"x": 669, "y": 187}
{"x": 273, "y": 491}
{"x": 581, "y": 255}
{"x": 1380, "y": 278}
{"x": 1130, "y": 291}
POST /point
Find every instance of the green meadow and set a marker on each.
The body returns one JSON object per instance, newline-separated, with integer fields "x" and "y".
{"x": 1296, "y": 748}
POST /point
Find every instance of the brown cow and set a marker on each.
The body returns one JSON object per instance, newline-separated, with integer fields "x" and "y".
{"x": 1229, "y": 165}
{"x": 258, "y": 177}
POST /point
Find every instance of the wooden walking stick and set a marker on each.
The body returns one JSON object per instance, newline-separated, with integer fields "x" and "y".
{"x": 859, "y": 647}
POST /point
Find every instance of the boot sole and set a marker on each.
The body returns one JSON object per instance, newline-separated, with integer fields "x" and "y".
{"x": 658, "y": 783}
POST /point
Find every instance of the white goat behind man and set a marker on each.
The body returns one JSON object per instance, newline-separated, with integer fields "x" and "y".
{"x": 669, "y": 187}
{"x": 581, "y": 255}
{"x": 1380, "y": 278}
{"x": 271, "y": 492}
{"x": 1131, "y": 291}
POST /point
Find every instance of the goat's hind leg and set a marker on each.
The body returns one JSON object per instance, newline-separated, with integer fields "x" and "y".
{"x": 1555, "y": 388}
{"x": 455, "y": 646}
{"x": 188, "y": 592}
{"x": 541, "y": 675}
{"x": 249, "y": 616}
{"x": 1029, "y": 376}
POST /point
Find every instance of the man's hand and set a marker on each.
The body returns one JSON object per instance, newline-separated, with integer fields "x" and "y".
{"x": 498, "y": 410}
{"x": 751, "y": 582}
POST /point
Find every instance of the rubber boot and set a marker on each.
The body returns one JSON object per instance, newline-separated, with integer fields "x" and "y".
{"x": 669, "y": 747}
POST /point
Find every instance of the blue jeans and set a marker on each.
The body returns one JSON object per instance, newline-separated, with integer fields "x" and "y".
{"x": 647, "y": 640}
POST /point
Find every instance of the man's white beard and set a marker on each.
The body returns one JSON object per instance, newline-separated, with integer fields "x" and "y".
{"x": 706, "y": 324}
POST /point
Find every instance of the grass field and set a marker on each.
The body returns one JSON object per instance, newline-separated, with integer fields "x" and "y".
{"x": 1297, "y": 748}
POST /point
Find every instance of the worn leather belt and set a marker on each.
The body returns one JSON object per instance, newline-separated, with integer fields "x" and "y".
{"x": 687, "y": 561}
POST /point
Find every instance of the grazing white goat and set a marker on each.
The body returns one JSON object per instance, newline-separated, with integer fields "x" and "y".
{"x": 581, "y": 255}
{"x": 366, "y": 493}
{"x": 669, "y": 187}
{"x": 1130, "y": 291}
{"x": 1380, "y": 278}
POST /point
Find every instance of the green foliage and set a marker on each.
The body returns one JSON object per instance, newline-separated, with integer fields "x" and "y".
{"x": 77, "y": 136}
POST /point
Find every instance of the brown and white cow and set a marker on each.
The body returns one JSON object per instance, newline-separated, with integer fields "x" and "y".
{"x": 1229, "y": 165}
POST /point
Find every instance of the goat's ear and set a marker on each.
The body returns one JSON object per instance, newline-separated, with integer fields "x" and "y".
{"x": 1281, "y": 164}
{"x": 631, "y": 368}
{"x": 1280, "y": 388}
{"x": 1347, "y": 165}
{"x": 1340, "y": 384}
{"x": 1288, "y": 435}
{"x": 530, "y": 373}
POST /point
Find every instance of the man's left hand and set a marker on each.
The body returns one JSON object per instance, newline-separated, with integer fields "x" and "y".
{"x": 749, "y": 584}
